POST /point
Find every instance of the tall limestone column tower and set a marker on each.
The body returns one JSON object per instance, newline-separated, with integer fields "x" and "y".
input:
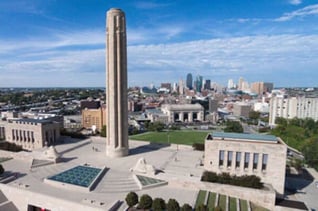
{"x": 116, "y": 86}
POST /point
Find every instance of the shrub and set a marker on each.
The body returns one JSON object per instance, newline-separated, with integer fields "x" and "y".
{"x": 158, "y": 204}
{"x": 186, "y": 207}
{"x": 198, "y": 146}
{"x": 12, "y": 147}
{"x": 217, "y": 208}
{"x": 173, "y": 205}
{"x": 145, "y": 202}
{"x": 250, "y": 181}
{"x": 201, "y": 207}
{"x": 131, "y": 199}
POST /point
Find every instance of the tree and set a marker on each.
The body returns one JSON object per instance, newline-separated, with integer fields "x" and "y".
{"x": 201, "y": 207}
{"x": 158, "y": 204}
{"x": 217, "y": 208}
{"x": 145, "y": 202}
{"x": 186, "y": 207}
{"x": 103, "y": 131}
{"x": 310, "y": 153}
{"x": 173, "y": 205}
{"x": 1, "y": 169}
{"x": 254, "y": 115}
{"x": 233, "y": 126}
{"x": 281, "y": 121}
{"x": 131, "y": 199}
{"x": 155, "y": 126}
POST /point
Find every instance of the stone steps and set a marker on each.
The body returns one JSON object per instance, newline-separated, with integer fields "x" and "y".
{"x": 117, "y": 182}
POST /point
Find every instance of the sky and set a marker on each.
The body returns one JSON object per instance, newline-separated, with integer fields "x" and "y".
{"x": 61, "y": 43}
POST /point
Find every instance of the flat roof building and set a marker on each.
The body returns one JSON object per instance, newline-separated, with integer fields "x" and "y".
{"x": 247, "y": 154}
{"x": 32, "y": 133}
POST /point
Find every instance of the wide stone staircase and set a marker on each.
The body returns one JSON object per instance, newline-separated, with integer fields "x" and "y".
{"x": 116, "y": 182}
{"x": 5, "y": 204}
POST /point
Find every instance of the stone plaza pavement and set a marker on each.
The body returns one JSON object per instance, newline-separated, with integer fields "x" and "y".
{"x": 174, "y": 162}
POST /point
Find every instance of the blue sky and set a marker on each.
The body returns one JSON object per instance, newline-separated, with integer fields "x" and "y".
{"x": 53, "y": 43}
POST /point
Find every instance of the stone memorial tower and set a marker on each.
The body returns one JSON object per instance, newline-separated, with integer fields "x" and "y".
{"x": 116, "y": 85}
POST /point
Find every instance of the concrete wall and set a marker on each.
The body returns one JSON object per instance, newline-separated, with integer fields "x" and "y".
{"x": 21, "y": 197}
{"x": 275, "y": 170}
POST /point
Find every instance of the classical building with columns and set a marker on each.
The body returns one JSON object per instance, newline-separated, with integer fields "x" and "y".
{"x": 183, "y": 112}
{"x": 32, "y": 133}
{"x": 247, "y": 154}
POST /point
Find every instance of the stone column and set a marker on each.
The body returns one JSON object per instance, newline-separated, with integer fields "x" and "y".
{"x": 116, "y": 96}
{"x": 181, "y": 117}
{"x": 190, "y": 117}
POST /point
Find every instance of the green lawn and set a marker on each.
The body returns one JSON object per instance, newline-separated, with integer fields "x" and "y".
{"x": 243, "y": 205}
{"x": 185, "y": 137}
{"x": 211, "y": 200}
{"x": 200, "y": 198}
{"x": 232, "y": 204}
{"x": 222, "y": 202}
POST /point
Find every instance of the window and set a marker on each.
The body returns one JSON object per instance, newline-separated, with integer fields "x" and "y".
{"x": 264, "y": 162}
{"x": 32, "y": 136}
{"x": 246, "y": 159}
{"x": 13, "y": 136}
{"x": 221, "y": 157}
{"x": 28, "y": 134}
{"x": 229, "y": 158}
{"x": 24, "y": 136}
{"x": 238, "y": 160}
{"x": 255, "y": 160}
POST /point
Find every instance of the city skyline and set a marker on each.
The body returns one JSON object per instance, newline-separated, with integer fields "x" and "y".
{"x": 58, "y": 43}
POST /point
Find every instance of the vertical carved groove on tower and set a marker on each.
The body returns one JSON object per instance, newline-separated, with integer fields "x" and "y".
{"x": 116, "y": 85}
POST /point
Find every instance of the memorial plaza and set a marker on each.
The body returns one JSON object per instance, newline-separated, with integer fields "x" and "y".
{"x": 30, "y": 187}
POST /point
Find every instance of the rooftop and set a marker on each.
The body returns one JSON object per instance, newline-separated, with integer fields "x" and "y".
{"x": 245, "y": 137}
{"x": 176, "y": 162}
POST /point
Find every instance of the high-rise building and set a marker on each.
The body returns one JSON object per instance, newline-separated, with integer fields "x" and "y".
{"x": 290, "y": 107}
{"x": 189, "y": 81}
{"x": 240, "y": 83}
{"x": 207, "y": 84}
{"x": 230, "y": 84}
{"x": 199, "y": 83}
{"x": 181, "y": 87}
{"x": 261, "y": 87}
{"x": 117, "y": 114}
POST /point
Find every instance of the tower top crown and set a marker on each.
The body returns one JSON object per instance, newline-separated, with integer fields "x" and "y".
{"x": 115, "y": 10}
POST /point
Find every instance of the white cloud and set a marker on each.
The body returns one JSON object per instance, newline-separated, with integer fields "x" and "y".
{"x": 218, "y": 58}
{"x": 295, "y": 2}
{"x": 149, "y": 5}
{"x": 57, "y": 39}
{"x": 154, "y": 34}
{"x": 58, "y": 64}
{"x": 306, "y": 11}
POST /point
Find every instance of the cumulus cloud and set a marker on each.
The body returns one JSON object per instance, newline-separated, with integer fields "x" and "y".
{"x": 149, "y": 5}
{"x": 58, "y": 63}
{"x": 306, "y": 11}
{"x": 295, "y": 2}
{"x": 217, "y": 58}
